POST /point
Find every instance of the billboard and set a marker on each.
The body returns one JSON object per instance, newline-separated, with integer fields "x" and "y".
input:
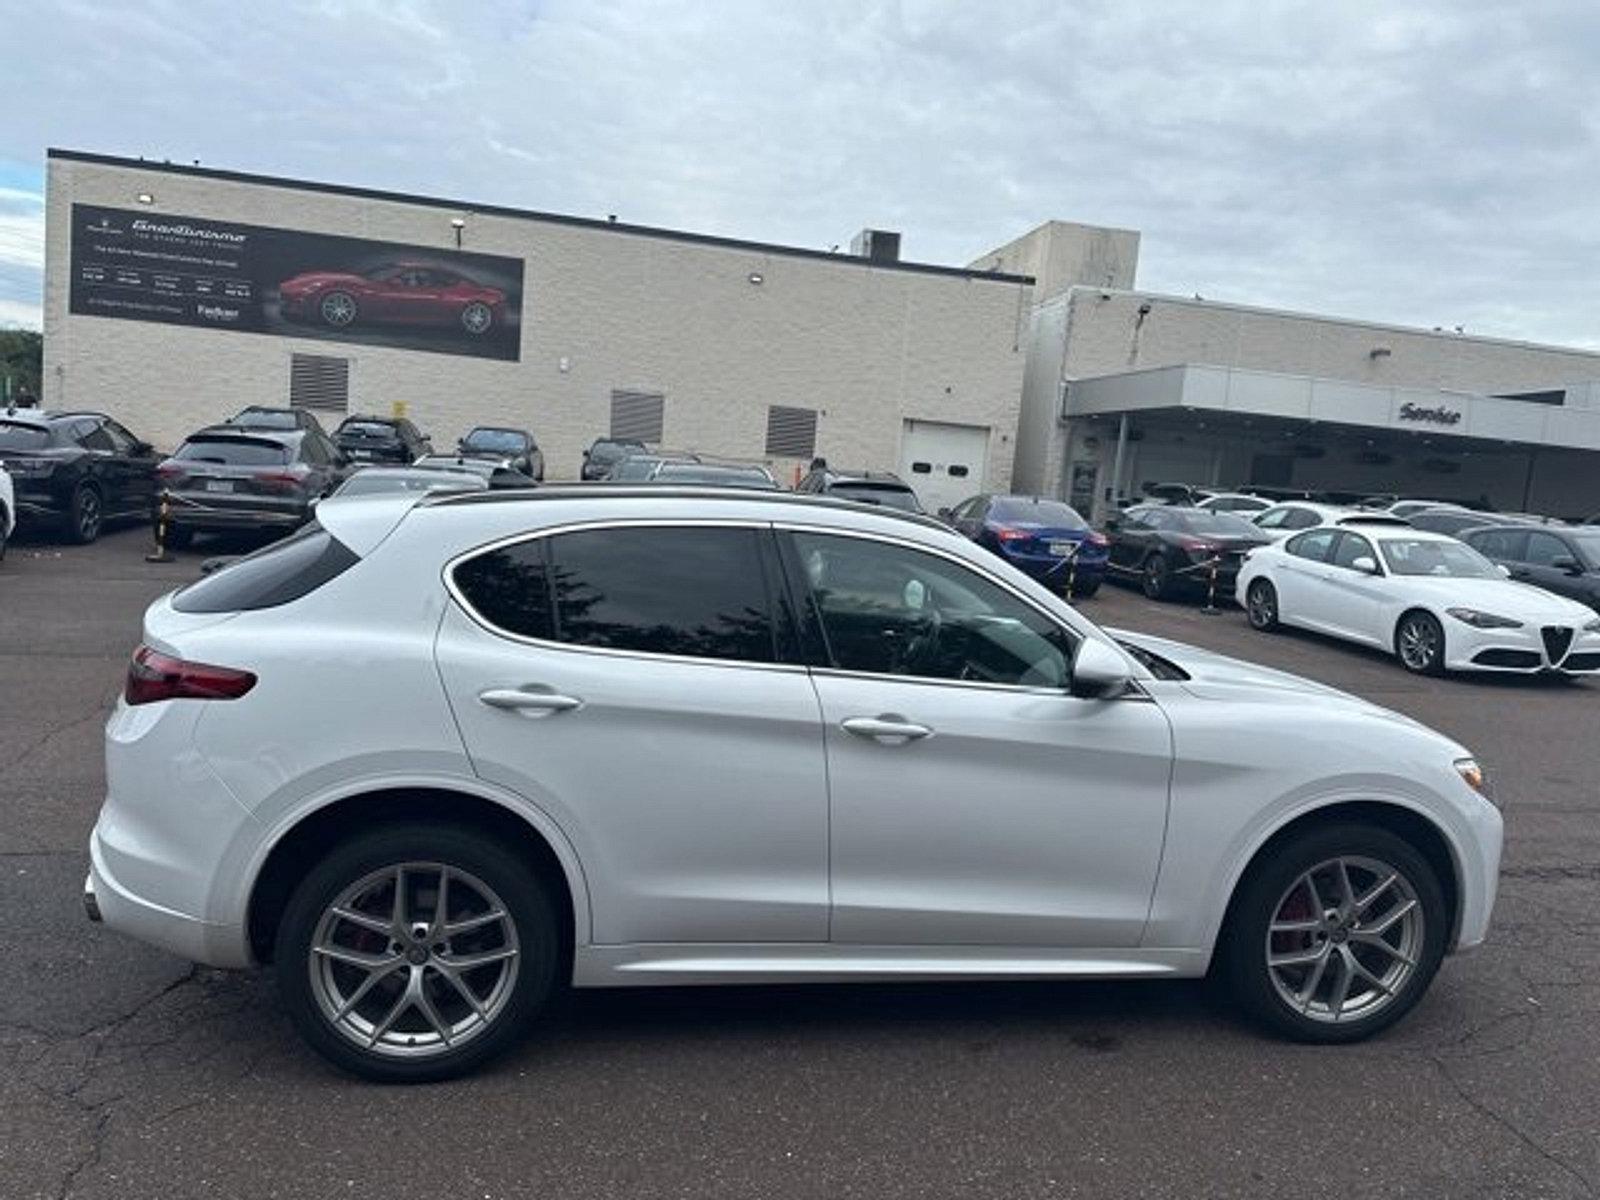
{"x": 146, "y": 266}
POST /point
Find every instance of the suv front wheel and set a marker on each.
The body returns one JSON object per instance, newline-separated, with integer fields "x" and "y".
{"x": 416, "y": 952}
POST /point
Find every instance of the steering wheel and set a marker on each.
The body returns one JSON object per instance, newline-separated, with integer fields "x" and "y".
{"x": 923, "y": 648}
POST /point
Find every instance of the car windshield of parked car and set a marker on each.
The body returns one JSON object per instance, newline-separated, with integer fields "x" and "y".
{"x": 1216, "y": 524}
{"x": 14, "y": 436}
{"x": 602, "y": 453}
{"x": 372, "y": 483}
{"x": 234, "y": 452}
{"x": 885, "y": 495}
{"x": 715, "y": 476}
{"x": 258, "y": 418}
{"x": 495, "y": 441}
{"x": 633, "y": 470}
{"x": 1418, "y": 556}
{"x": 1023, "y": 510}
{"x": 378, "y": 429}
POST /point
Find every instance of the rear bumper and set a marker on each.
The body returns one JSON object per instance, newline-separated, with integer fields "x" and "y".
{"x": 106, "y": 899}
{"x": 189, "y": 513}
{"x": 1051, "y": 569}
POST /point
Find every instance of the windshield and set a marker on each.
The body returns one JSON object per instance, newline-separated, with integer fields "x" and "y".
{"x": 610, "y": 452}
{"x": 23, "y": 437}
{"x": 495, "y": 441}
{"x": 633, "y": 469}
{"x": 718, "y": 476}
{"x": 235, "y": 452}
{"x": 267, "y": 419}
{"x": 380, "y": 429}
{"x": 1414, "y": 556}
{"x": 1023, "y": 510}
{"x": 1199, "y": 520}
{"x": 364, "y": 483}
{"x": 884, "y": 495}
{"x": 1588, "y": 543}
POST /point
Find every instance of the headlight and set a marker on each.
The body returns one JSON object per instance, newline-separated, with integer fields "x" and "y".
{"x": 1483, "y": 620}
{"x": 1476, "y": 778}
{"x": 1593, "y": 626}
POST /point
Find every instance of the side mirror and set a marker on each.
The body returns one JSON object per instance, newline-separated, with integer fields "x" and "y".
{"x": 143, "y": 449}
{"x": 1098, "y": 672}
{"x": 946, "y": 514}
{"x": 1569, "y": 565}
{"x": 1365, "y": 564}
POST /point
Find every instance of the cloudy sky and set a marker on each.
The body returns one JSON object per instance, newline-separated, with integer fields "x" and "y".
{"x": 1430, "y": 163}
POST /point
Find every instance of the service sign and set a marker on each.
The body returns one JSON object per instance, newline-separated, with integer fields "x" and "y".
{"x": 150, "y": 266}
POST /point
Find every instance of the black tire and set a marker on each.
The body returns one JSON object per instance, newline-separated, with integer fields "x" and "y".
{"x": 1261, "y": 606}
{"x": 179, "y": 537}
{"x": 338, "y": 310}
{"x": 1156, "y": 577}
{"x": 1084, "y": 591}
{"x": 1243, "y": 948}
{"x": 85, "y": 514}
{"x": 1419, "y": 643}
{"x": 524, "y": 898}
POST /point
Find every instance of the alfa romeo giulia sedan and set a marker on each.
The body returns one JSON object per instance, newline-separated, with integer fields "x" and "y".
{"x": 430, "y": 758}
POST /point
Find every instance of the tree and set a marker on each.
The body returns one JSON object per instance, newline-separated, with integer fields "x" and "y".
{"x": 21, "y": 363}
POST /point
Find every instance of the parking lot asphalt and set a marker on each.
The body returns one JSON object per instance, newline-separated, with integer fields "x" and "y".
{"x": 126, "y": 1073}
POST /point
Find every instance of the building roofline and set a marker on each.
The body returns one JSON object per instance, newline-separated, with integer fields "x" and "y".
{"x": 1325, "y": 319}
{"x": 526, "y": 214}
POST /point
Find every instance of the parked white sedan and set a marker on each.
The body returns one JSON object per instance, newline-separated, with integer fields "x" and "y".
{"x": 1433, "y": 602}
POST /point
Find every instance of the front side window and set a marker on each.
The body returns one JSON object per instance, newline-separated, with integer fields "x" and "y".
{"x": 691, "y": 592}
{"x": 893, "y": 610}
{"x": 1507, "y": 544}
{"x": 1314, "y": 545}
{"x": 1545, "y": 550}
{"x": 1350, "y": 548}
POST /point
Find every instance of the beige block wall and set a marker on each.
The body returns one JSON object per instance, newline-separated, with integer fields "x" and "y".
{"x": 1109, "y": 335}
{"x": 867, "y": 346}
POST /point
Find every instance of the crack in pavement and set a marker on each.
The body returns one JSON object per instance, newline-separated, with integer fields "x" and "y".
{"x": 33, "y": 747}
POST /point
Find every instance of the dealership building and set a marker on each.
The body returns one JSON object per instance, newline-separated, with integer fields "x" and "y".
{"x": 175, "y": 295}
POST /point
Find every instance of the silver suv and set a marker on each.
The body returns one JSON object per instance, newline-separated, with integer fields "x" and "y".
{"x": 429, "y": 758}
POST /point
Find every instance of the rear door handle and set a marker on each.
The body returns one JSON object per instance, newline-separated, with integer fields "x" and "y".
{"x": 529, "y": 700}
{"x": 888, "y": 729}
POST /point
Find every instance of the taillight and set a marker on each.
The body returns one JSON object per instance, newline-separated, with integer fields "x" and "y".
{"x": 170, "y": 471}
{"x": 1006, "y": 534}
{"x": 1198, "y": 544}
{"x": 281, "y": 481}
{"x": 1098, "y": 539}
{"x": 154, "y": 676}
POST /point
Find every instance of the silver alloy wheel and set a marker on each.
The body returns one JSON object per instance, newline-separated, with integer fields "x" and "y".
{"x": 1418, "y": 642}
{"x": 477, "y": 317}
{"x": 414, "y": 960}
{"x": 1262, "y": 604}
{"x": 1345, "y": 939}
{"x": 89, "y": 514}
{"x": 338, "y": 308}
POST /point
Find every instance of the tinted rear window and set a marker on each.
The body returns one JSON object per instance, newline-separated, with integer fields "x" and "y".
{"x": 884, "y": 495}
{"x": 234, "y": 452}
{"x": 1037, "y": 512}
{"x": 715, "y": 476}
{"x": 698, "y": 593}
{"x": 23, "y": 437}
{"x": 1198, "y": 520}
{"x": 278, "y": 574}
{"x": 369, "y": 429}
{"x": 264, "y": 419}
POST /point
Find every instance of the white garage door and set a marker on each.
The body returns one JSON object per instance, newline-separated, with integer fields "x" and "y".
{"x": 943, "y": 463}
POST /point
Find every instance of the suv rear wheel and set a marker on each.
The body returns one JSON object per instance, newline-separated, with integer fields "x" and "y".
{"x": 416, "y": 953}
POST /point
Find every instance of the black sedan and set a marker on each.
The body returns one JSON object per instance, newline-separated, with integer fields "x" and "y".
{"x": 77, "y": 470}
{"x": 228, "y": 478}
{"x": 1559, "y": 559}
{"x": 515, "y": 448}
{"x": 1168, "y": 549}
{"x": 381, "y": 440}
{"x": 604, "y": 454}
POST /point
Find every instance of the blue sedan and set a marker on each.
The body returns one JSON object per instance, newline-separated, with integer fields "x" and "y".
{"x": 1043, "y": 538}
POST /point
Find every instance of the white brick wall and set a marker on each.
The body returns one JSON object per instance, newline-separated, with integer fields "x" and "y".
{"x": 867, "y": 346}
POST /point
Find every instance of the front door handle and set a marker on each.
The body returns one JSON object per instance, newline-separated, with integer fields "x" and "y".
{"x": 528, "y": 700}
{"x": 889, "y": 729}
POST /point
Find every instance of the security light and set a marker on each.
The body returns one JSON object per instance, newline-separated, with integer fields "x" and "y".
{"x": 145, "y": 198}
{"x": 757, "y": 278}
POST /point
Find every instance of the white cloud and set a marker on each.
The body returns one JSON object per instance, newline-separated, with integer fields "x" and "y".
{"x": 1432, "y": 164}
{"x": 19, "y": 315}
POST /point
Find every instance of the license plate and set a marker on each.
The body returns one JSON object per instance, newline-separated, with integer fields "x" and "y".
{"x": 219, "y": 485}
{"x": 361, "y": 454}
{"x": 1063, "y": 549}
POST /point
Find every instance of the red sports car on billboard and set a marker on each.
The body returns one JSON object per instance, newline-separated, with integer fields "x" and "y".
{"x": 393, "y": 294}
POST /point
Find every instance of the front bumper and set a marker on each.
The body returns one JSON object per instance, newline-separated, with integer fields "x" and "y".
{"x": 1565, "y": 649}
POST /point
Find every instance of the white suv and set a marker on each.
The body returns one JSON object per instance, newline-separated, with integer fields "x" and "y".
{"x": 432, "y": 757}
